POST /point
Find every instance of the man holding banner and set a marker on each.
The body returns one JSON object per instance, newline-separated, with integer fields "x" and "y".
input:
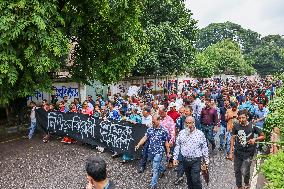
{"x": 158, "y": 139}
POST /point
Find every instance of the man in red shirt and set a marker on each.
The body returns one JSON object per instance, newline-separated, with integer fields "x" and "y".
{"x": 172, "y": 96}
{"x": 172, "y": 112}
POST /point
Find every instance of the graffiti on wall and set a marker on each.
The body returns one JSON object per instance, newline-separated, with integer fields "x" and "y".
{"x": 71, "y": 91}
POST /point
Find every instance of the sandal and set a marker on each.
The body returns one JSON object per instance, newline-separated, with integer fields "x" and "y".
{"x": 247, "y": 187}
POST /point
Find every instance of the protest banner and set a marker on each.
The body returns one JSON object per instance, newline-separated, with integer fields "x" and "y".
{"x": 119, "y": 136}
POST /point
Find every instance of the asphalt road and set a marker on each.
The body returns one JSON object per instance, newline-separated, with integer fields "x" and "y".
{"x": 32, "y": 164}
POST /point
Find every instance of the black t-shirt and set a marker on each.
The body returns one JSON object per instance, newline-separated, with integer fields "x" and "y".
{"x": 243, "y": 135}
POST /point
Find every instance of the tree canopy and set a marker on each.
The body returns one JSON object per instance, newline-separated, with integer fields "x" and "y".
{"x": 224, "y": 57}
{"x": 171, "y": 31}
{"x": 268, "y": 57}
{"x": 215, "y": 32}
{"x": 264, "y": 54}
{"x": 36, "y": 39}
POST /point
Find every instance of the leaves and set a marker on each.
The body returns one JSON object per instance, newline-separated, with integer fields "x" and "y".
{"x": 170, "y": 31}
{"x": 273, "y": 170}
{"x": 224, "y": 57}
{"x": 268, "y": 57}
{"x": 217, "y": 32}
{"x": 105, "y": 39}
{"x": 109, "y": 39}
{"x": 29, "y": 46}
{"x": 273, "y": 166}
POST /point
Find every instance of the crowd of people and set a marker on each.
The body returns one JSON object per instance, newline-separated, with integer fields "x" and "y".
{"x": 182, "y": 125}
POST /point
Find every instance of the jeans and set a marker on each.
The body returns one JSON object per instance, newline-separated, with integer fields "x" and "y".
{"x": 225, "y": 138}
{"x": 197, "y": 122}
{"x": 32, "y": 129}
{"x": 223, "y": 129}
{"x": 208, "y": 132}
{"x": 157, "y": 167}
{"x": 192, "y": 168}
{"x": 180, "y": 169}
{"x": 242, "y": 168}
{"x": 144, "y": 158}
{"x": 228, "y": 142}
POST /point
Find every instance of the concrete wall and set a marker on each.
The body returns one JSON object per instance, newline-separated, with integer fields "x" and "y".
{"x": 95, "y": 89}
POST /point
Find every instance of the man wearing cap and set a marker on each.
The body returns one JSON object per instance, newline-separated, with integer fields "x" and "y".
{"x": 173, "y": 113}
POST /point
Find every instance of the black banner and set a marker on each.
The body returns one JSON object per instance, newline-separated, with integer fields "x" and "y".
{"x": 117, "y": 136}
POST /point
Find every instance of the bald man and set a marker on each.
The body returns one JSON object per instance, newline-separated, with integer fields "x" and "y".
{"x": 192, "y": 146}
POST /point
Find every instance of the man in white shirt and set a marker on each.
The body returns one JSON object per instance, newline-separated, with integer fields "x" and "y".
{"x": 147, "y": 118}
{"x": 192, "y": 146}
{"x": 179, "y": 102}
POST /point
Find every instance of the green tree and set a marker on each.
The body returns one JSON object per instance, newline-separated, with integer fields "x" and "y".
{"x": 268, "y": 56}
{"x": 224, "y": 57}
{"x": 31, "y": 45}
{"x": 109, "y": 38}
{"x": 36, "y": 38}
{"x": 217, "y": 32}
{"x": 171, "y": 31}
{"x": 202, "y": 67}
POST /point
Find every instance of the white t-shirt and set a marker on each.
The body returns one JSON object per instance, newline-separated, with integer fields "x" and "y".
{"x": 147, "y": 120}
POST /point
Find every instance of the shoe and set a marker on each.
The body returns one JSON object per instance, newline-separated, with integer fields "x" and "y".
{"x": 247, "y": 186}
{"x": 162, "y": 174}
{"x": 153, "y": 187}
{"x": 170, "y": 165}
{"x": 141, "y": 170}
{"x": 178, "y": 181}
{"x": 115, "y": 155}
{"x": 213, "y": 146}
{"x": 123, "y": 161}
{"x": 100, "y": 149}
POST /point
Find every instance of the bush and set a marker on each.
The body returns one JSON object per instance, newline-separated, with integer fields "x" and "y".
{"x": 273, "y": 170}
{"x": 273, "y": 166}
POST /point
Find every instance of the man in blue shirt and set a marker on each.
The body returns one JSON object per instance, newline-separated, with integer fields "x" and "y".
{"x": 113, "y": 113}
{"x": 102, "y": 103}
{"x": 158, "y": 139}
{"x": 260, "y": 114}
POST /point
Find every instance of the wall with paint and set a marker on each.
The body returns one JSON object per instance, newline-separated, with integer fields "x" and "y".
{"x": 71, "y": 89}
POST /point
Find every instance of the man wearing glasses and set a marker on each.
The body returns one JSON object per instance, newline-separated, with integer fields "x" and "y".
{"x": 191, "y": 144}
